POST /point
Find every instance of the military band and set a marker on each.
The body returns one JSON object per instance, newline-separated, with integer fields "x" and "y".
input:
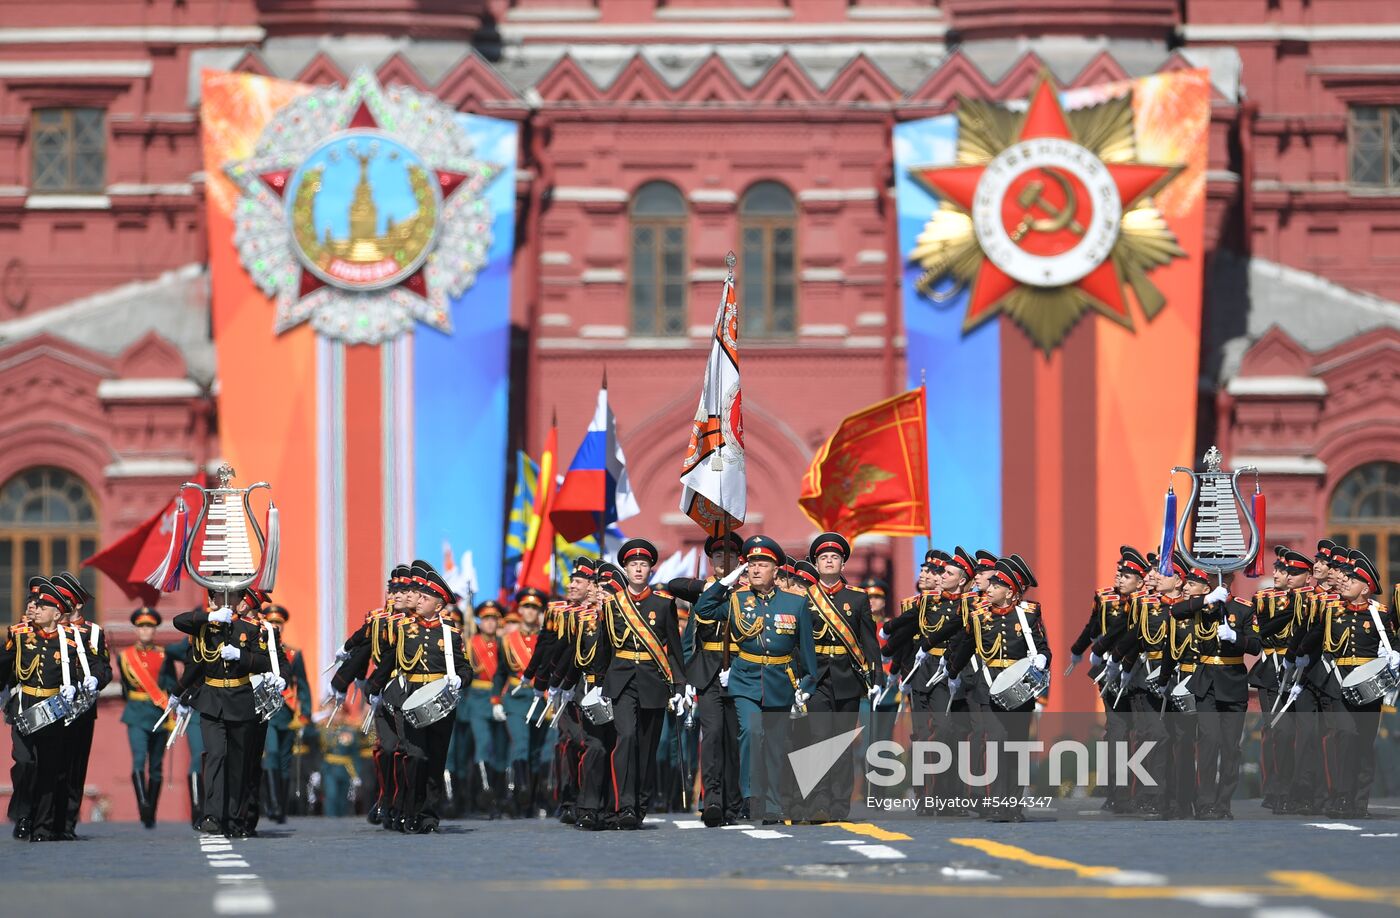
{"x": 564, "y": 702}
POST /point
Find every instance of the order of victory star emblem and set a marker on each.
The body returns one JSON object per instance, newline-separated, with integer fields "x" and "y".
{"x": 1045, "y": 215}
{"x": 362, "y": 211}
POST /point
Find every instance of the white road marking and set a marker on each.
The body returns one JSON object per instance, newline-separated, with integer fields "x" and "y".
{"x": 879, "y": 852}
{"x": 740, "y": 826}
{"x": 1333, "y": 826}
{"x": 235, "y": 877}
{"x": 652, "y": 821}
{"x": 1221, "y": 899}
{"x": 1380, "y": 835}
{"x": 968, "y": 873}
{"x": 1132, "y": 878}
{"x": 238, "y": 893}
{"x": 1385, "y": 806}
{"x": 243, "y": 902}
{"x": 845, "y": 841}
{"x": 689, "y": 824}
{"x": 765, "y": 833}
{"x": 221, "y": 865}
{"x": 1300, "y": 911}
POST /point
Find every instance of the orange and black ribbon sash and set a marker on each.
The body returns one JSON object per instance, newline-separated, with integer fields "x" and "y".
{"x": 644, "y": 633}
{"x": 836, "y": 623}
{"x": 138, "y": 673}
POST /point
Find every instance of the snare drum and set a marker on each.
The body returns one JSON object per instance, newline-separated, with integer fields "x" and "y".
{"x": 597, "y": 708}
{"x": 1182, "y": 698}
{"x": 266, "y": 699}
{"x": 1368, "y": 682}
{"x": 43, "y": 713}
{"x": 431, "y": 703}
{"x": 82, "y": 702}
{"x": 1019, "y": 684}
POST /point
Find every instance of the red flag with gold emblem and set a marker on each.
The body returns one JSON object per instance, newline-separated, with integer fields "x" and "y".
{"x": 871, "y": 476}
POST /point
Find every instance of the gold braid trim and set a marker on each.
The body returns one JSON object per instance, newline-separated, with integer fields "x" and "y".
{"x": 407, "y": 666}
{"x": 742, "y": 631}
{"x": 1328, "y": 644}
{"x": 982, "y": 650}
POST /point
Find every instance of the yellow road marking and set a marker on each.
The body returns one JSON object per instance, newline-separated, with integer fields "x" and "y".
{"x": 1324, "y": 887}
{"x": 1021, "y": 855}
{"x": 960, "y": 891}
{"x": 870, "y": 830}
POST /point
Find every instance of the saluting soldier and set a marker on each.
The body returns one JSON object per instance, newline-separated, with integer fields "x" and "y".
{"x": 425, "y": 649}
{"x": 644, "y": 675}
{"x": 40, "y": 661}
{"x": 363, "y": 649}
{"x": 1004, "y": 630}
{"x": 1108, "y": 622}
{"x": 294, "y": 715}
{"x": 146, "y": 682}
{"x": 848, "y": 662}
{"x": 707, "y": 655}
{"x": 95, "y": 663}
{"x": 773, "y": 668}
{"x": 226, "y": 650}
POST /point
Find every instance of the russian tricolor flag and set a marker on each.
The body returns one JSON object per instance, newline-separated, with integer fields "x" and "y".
{"x": 596, "y": 491}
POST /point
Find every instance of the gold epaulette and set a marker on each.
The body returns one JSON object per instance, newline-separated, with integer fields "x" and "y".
{"x": 1109, "y": 593}
{"x": 662, "y": 593}
{"x": 793, "y": 590}
{"x": 21, "y": 628}
{"x": 856, "y": 589}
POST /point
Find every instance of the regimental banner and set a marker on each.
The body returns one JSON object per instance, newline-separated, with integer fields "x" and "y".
{"x": 360, "y": 247}
{"x": 1052, "y": 296}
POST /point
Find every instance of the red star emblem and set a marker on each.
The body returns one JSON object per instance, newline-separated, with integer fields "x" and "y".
{"x": 1047, "y": 211}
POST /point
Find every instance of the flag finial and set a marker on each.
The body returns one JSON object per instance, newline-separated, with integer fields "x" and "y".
{"x": 730, "y": 261}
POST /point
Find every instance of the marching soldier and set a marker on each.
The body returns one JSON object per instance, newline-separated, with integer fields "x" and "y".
{"x": 644, "y": 675}
{"x": 1223, "y": 633}
{"x": 767, "y": 627}
{"x": 295, "y": 713}
{"x": 226, "y": 651}
{"x": 146, "y": 681}
{"x": 458, "y": 796}
{"x": 517, "y": 648}
{"x": 554, "y": 645}
{"x": 425, "y": 649}
{"x": 1308, "y": 791}
{"x": 939, "y": 619}
{"x": 484, "y": 710}
{"x": 1351, "y": 632}
{"x": 848, "y": 660}
{"x": 39, "y": 660}
{"x": 1003, "y": 632}
{"x": 95, "y": 662}
{"x": 1275, "y": 610}
{"x": 580, "y": 672}
{"x": 1143, "y": 652}
{"x": 1176, "y": 592}
{"x": 368, "y": 646}
{"x": 179, "y": 652}
{"x": 1107, "y": 625}
{"x": 707, "y": 659}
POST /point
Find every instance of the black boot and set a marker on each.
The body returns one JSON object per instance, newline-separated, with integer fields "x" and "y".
{"x": 523, "y": 788}
{"x": 195, "y": 782}
{"x": 152, "y": 799}
{"x": 504, "y": 782}
{"x": 485, "y": 797}
{"x": 276, "y": 808}
{"x": 143, "y": 806}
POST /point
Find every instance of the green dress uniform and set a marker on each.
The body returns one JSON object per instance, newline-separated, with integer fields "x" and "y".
{"x": 526, "y": 740}
{"x": 488, "y": 734}
{"x": 338, "y": 768}
{"x": 146, "y": 683}
{"x": 771, "y": 634}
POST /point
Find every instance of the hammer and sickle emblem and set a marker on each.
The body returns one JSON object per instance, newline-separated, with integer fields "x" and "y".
{"x": 1031, "y": 200}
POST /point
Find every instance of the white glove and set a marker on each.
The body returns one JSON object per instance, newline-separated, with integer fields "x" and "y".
{"x": 540, "y": 694}
{"x": 678, "y": 702}
{"x": 338, "y": 697}
{"x": 1219, "y": 594}
{"x": 172, "y": 702}
{"x": 591, "y": 697}
{"x": 1225, "y": 633}
{"x": 724, "y": 678}
{"x": 454, "y": 681}
{"x": 733, "y": 576}
{"x": 498, "y": 713}
{"x": 1114, "y": 670}
{"x": 182, "y": 710}
{"x": 1039, "y": 661}
{"x": 342, "y": 655}
{"x": 221, "y": 616}
{"x": 1303, "y": 661}
{"x": 1395, "y": 659}
{"x": 874, "y": 692}
{"x": 279, "y": 683}
{"x": 1094, "y": 659}
{"x": 1294, "y": 692}
{"x": 68, "y": 691}
{"x": 1076, "y": 657}
{"x": 566, "y": 696}
{"x": 90, "y": 683}
{"x": 230, "y": 653}
{"x": 954, "y": 684}
{"x": 920, "y": 657}
{"x": 883, "y": 635}
{"x": 374, "y": 701}
{"x": 800, "y": 698}
{"x": 690, "y": 696}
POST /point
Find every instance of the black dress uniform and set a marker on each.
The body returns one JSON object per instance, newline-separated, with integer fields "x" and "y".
{"x": 422, "y": 649}
{"x": 644, "y": 669}
{"x": 95, "y": 659}
{"x": 1144, "y": 653}
{"x": 1221, "y": 687}
{"x": 1107, "y": 625}
{"x": 221, "y": 690}
{"x": 39, "y": 664}
{"x": 848, "y": 665}
{"x": 366, "y": 648}
{"x": 552, "y": 646}
{"x": 579, "y": 668}
{"x": 1275, "y": 610}
{"x": 1350, "y": 632}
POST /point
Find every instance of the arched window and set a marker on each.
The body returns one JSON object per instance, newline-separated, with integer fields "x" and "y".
{"x": 659, "y": 263}
{"x": 48, "y": 522}
{"x": 768, "y": 281}
{"x": 1365, "y": 514}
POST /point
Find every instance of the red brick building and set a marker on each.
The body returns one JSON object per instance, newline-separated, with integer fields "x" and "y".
{"x": 656, "y": 136}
